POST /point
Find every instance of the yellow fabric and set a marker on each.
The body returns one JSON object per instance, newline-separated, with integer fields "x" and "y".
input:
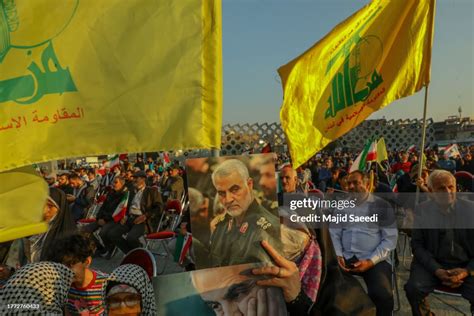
{"x": 88, "y": 77}
{"x": 23, "y": 195}
{"x": 379, "y": 54}
{"x": 381, "y": 150}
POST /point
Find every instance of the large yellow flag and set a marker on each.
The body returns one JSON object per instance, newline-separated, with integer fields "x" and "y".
{"x": 88, "y": 77}
{"x": 23, "y": 195}
{"x": 379, "y": 54}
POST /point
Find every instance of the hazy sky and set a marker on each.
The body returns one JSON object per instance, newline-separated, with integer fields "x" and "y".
{"x": 261, "y": 35}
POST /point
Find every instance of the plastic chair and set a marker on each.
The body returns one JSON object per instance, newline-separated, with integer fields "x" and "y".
{"x": 403, "y": 244}
{"x": 143, "y": 258}
{"x": 395, "y": 290}
{"x": 171, "y": 216}
{"x": 161, "y": 239}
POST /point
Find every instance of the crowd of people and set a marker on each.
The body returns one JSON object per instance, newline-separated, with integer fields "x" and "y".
{"x": 95, "y": 212}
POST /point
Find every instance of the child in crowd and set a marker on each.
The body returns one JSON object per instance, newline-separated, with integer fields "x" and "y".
{"x": 86, "y": 295}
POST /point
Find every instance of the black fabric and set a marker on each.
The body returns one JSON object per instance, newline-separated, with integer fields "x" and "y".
{"x": 133, "y": 231}
{"x": 426, "y": 242}
{"x": 62, "y": 225}
{"x": 339, "y": 292}
{"x": 300, "y": 306}
{"x": 105, "y": 235}
{"x": 450, "y": 251}
{"x": 110, "y": 205}
{"x": 379, "y": 287}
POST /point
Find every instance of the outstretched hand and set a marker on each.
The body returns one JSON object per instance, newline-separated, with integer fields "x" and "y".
{"x": 284, "y": 274}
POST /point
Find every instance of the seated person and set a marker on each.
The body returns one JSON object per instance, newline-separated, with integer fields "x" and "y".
{"x": 365, "y": 250}
{"x": 115, "y": 200}
{"x": 129, "y": 292}
{"x": 144, "y": 209}
{"x": 86, "y": 294}
{"x": 443, "y": 255}
{"x": 43, "y": 286}
{"x": 82, "y": 198}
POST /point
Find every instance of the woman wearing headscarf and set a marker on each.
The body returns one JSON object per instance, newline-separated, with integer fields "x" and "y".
{"x": 129, "y": 291}
{"x": 36, "y": 289}
{"x": 60, "y": 223}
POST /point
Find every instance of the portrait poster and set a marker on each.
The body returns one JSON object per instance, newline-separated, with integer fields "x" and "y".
{"x": 222, "y": 291}
{"x": 233, "y": 207}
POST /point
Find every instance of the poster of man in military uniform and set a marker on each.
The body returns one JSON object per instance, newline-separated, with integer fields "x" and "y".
{"x": 236, "y": 234}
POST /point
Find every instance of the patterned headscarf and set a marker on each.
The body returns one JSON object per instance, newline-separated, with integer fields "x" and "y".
{"x": 310, "y": 268}
{"x": 136, "y": 277}
{"x": 39, "y": 288}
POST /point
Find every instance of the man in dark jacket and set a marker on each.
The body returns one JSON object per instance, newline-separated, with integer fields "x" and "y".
{"x": 174, "y": 185}
{"x": 82, "y": 198}
{"x": 144, "y": 210}
{"x": 104, "y": 218}
{"x": 443, "y": 244}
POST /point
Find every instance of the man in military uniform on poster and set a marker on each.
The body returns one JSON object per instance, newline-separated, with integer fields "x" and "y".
{"x": 237, "y": 237}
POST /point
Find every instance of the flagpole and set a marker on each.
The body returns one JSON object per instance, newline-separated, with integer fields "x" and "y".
{"x": 422, "y": 146}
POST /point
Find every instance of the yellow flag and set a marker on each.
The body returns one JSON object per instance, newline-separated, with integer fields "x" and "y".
{"x": 23, "y": 194}
{"x": 381, "y": 151}
{"x": 379, "y": 54}
{"x": 88, "y": 77}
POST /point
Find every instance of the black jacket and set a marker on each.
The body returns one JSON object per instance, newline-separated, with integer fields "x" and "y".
{"x": 110, "y": 205}
{"x": 425, "y": 242}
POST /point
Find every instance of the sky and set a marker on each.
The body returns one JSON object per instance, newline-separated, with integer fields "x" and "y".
{"x": 259, "y": 36}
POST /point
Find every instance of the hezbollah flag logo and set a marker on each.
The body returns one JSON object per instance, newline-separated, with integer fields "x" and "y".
{"x": 18, "y": 40}
{"x": 358, "y": 77}
{"x": 378, "y": 55}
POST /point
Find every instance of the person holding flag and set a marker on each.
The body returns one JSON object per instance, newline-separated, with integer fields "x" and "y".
{"x": 112, "y": 211}
{"x": 145, "y": 207}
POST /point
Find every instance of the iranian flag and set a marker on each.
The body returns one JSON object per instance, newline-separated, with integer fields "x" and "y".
{"x": 121, "y": 209}
{"x": 183, "y": 244}
{"x": 369, "y": 153}
{"x": 166, "y": 158}
{"x": 411, "y": 149}
{"x": 452, "y": 151}
{"x": 372, "y": 153}
{"x": 112, "y": 162}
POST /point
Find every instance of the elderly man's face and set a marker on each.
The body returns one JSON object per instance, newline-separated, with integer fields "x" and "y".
{"x": 267, "y": 180}
{"x": 445, "y": 189}
{"x": 289, "y": 180}
{"x": 234, "y": 193}
{"x": 233, "y": 293}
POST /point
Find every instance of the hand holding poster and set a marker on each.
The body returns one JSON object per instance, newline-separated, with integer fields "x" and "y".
{"x": 222, "y": 291}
